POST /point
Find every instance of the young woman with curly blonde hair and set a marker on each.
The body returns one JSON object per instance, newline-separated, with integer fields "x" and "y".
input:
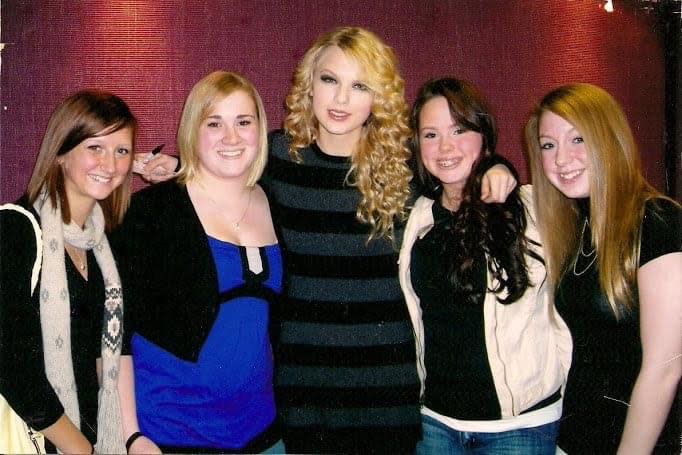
{"x": 377, "y": 149}
{"x": 613, "y": 251}
{"x": 338, "y": 182}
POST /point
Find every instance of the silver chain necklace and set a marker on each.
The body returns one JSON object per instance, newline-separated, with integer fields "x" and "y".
{"x": 581, "y": 253}
{"x": 237, "y": 223}
{"x": 248, "y": 204}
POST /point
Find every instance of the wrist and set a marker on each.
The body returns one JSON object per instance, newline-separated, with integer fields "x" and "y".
{"x": 131, "y": 440}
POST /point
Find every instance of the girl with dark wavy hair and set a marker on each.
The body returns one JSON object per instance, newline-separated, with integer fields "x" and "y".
{"x": 491, "y": 355}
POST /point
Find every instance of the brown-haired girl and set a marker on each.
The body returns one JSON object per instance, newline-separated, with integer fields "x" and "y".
{"x": 61, "y": 319}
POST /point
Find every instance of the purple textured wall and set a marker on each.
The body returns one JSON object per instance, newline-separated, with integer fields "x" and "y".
{"x": 152, "y": 52}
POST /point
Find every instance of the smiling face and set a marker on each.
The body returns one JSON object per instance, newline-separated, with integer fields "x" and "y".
{"x": 564, "y": 156}
{"x": 341, "y": 101}
{"x": 228, "y": 138}
{"x": 448, "y": 151}
{"x": 96, "y": 167}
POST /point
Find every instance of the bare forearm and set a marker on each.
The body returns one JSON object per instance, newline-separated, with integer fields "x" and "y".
{"x": 66, "y": 437}
{"x": 649, "y": 407}
{"x": 126, "y": 391}
{"x": 660, "y": 303}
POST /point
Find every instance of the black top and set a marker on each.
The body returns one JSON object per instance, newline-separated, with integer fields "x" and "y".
{"x": 607, "y": 352}
{"x": 22, "y": 369}
{"x": 87, "y": 310}
{"x": 459, "y": 383}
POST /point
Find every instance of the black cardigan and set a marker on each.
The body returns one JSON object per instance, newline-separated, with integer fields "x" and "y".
{"x": 169, "y": 277}
{"x": 23, "y": 381}
{"x": 26, "y": 389}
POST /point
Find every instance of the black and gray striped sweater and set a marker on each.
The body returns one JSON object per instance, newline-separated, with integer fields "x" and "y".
{"x": 346, "y": 376}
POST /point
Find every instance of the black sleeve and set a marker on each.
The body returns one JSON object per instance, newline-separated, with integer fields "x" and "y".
{"x": 23, "y": 381}
{"x": 170, "y": 293}
{"x": 265, "y": 179}
{"x": 127, "y": 243}
{"x": 661, "y": 230}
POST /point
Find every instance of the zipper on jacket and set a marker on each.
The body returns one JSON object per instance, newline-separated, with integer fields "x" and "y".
{"x": 34, "y": 439}
{"x": 420, "y": 367}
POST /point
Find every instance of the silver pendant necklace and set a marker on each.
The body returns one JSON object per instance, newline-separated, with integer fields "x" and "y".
{"x": 79, "y": 262}
{"x": 248, "y": 204}
{"x": 582, "y": 253}
{"x": 237, "y": 223}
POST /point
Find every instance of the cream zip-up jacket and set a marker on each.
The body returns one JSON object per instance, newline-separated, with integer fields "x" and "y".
{"x": 528, "y": 344}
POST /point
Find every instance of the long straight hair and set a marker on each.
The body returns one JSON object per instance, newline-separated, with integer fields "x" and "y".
{"x": 618, "y": 192}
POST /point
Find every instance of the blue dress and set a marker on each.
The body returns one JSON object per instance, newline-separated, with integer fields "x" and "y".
{"x": 225, "y": 398}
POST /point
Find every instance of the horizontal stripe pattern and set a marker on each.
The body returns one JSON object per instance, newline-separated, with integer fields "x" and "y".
{"x": 332, "y": 266}
{"x": 380, "y": 416}
{"x": 343, "y": 377}
{"x": 299, "y": 197}
{"x": 350, "y": 397}
{"x": 328, "y": 243}
{"x": 318, "y": 221}
{"x": 345, "y": 347}
{"x": 311, "y": 173}
{"x": 346, "y": 356}
{"x": 362, "y": 312}
{"x": 330, "y": 289}
{"x": 345, "y": 335}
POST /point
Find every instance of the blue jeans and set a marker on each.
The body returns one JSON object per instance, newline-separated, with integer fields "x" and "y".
{"x": 440, "y": 439}
{"x": 276, "y": 448}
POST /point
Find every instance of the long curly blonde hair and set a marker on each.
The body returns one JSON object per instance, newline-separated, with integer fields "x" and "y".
{"x": 379, "y": 166}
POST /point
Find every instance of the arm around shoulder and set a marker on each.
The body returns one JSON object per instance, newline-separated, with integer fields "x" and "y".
{"x": 499, "y": 180}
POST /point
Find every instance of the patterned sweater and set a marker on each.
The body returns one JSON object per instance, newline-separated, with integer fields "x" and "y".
{"x": 345, "y": 350}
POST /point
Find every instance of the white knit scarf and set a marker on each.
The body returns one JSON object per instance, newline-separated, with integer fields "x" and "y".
{"x": 55, "y": 318}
